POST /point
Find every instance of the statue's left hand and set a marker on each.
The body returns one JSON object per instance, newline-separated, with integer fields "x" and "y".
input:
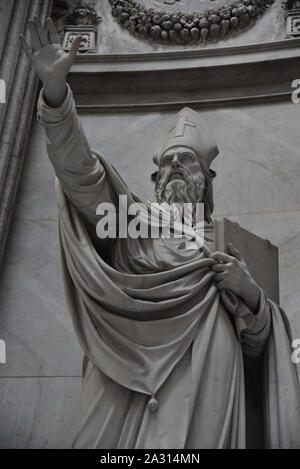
{"x": 233, "y": 274}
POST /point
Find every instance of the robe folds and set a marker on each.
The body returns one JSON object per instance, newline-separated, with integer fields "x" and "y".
{"x": 164, "y": 331}
{"x": 151, "y": 322}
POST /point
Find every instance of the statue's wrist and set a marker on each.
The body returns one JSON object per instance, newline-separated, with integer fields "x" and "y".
{"x": 55, "y": 92}
{"x": 251, "y": 296}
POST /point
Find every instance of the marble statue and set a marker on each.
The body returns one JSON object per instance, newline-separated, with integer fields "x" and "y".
{"x": 164, "y": 363}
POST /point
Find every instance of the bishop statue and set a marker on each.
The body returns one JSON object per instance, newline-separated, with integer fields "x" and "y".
{"x": 164, "y": 363}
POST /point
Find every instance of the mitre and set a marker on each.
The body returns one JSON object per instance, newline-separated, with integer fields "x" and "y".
{"x": 187, "y": 128}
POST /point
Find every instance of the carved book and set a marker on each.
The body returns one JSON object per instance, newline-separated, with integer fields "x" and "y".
{"x": 261, "y": 255}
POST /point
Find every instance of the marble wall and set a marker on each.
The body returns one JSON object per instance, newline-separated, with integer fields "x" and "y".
{"x": 257, "y": 185}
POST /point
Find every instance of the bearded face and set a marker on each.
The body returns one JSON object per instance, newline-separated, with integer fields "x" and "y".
{"x": 180, "y": 178}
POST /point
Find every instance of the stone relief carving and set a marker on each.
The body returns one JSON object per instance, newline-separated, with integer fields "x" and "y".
{"x": 79, "y": 18}
{"x": 170, "y": 2}
{"x": 89, "y": 38}
{"x": 84, "y": 13}
{"x": 183, "y": 28}
{"x": 291, "y": 4}
{"x": 60, "y": 9}
{"x": 292, "y": 18}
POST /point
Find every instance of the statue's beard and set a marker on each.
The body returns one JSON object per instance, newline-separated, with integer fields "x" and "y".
{"x": 187, "y": 189}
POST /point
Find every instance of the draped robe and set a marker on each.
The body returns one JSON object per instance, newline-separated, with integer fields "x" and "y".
{"x": 151, "y": 323}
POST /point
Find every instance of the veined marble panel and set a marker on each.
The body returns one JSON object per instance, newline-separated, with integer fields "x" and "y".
{"x": 258, "y": 166}
{"x": 38, "y": 413}
{"x": 283, "y": 230}
{"x": 257, "y": 169}
{"x": 34, "y": 320}
{"x": 36, "y": 194}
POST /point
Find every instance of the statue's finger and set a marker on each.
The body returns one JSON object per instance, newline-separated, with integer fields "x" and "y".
{"x": 53, "y": 34}
{"x": 220, "y": 277}
{"x": 221, "y": 256}
{"x": 35, "y": 41}
{"x": 25, "y": 46}
{"x": 74, "y": 48}
{"x": 219, "y": 267}
{"x": 234, "y": 251}
{"x": 40, "y": 31}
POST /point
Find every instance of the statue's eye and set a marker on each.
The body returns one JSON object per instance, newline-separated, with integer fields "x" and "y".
{"x": 186, "y": 157}
{"x": 167, "y": 159}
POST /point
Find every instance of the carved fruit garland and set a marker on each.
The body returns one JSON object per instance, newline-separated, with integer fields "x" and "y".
{"x": 183, "y": 28}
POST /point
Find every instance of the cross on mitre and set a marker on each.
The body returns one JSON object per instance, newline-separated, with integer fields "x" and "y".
{"x": 187, "y": 128}
{"x": 180, "y": 125}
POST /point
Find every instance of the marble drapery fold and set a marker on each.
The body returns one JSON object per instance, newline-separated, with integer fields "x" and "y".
{"x": 167, "y": 333}
{"x": 150, "y": 320}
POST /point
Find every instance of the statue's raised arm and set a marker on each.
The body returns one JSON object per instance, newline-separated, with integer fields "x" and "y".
{"x": 50, "y": 62}
{"x": 80, "y": 173}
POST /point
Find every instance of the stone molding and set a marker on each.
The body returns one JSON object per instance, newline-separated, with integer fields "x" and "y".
{"x": 204, "y": 78}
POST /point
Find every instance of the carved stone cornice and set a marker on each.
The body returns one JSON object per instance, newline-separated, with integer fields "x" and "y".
{"x": 212, "y": 77}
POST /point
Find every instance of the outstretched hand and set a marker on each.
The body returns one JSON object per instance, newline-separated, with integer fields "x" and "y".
{"x": 49, "y": 61}
{"x": 233, "y": 274}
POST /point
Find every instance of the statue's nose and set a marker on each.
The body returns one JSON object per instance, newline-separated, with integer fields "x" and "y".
{"x": 175, "y": 161}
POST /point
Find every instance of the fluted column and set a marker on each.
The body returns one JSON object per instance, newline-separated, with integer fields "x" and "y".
{"x": 16, "y": 112}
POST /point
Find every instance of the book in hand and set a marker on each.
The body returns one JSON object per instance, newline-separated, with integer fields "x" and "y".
{"x": 260, "y": 255}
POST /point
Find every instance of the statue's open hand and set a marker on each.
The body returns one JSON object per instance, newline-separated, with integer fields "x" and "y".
{"x": 49, "y": 61}
{"x": 233, "y": 274}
